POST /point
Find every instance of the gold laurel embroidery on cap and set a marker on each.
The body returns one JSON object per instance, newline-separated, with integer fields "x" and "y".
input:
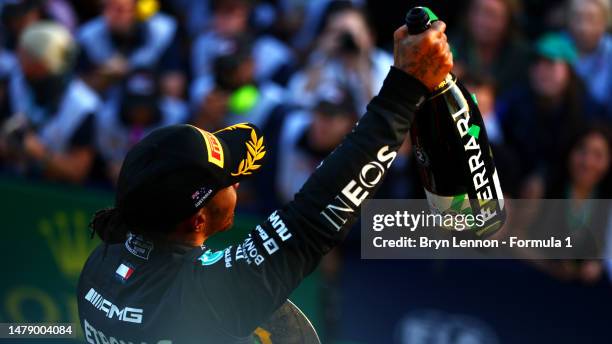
{"x": 243, "y": 125}
{"x": 255, "y": 151}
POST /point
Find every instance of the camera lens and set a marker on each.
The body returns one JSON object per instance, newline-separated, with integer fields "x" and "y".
{"x": 348, "y": 44}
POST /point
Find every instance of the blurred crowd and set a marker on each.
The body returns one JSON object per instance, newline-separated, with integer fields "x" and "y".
{"x": 83, "y": 81}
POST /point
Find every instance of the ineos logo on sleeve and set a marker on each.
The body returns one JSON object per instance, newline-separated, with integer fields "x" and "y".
{"x": 356, "y": 191}
{"x": 375, "y": 167}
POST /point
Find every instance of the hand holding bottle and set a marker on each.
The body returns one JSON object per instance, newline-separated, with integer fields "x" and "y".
{"x": 426, "y": 56}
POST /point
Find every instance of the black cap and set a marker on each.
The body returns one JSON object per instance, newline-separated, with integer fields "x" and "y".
{"x": 176, "y": 170}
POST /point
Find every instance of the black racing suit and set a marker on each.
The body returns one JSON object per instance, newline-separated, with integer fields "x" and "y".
{"x": 141, "y": 293}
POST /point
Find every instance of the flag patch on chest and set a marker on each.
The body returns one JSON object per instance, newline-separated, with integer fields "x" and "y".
{"x": 124, "y": 271}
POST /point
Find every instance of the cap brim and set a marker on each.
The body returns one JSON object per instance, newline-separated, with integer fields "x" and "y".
{"x": 247, "y": 150}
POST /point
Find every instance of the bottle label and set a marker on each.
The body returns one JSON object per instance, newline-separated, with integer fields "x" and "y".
{"x": 454, "y": 209}
{"x": 457, "y": 204}
{"x": 446, "y": 84}
{"x": 483, "y": 176}
{"x": 456, "y": 160}
{"x": 450, "y": 208}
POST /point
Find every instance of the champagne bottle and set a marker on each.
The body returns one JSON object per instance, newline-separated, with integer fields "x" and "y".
{"x": 450, "y": 142}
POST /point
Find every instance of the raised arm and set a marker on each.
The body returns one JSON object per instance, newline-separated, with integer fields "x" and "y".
{"x": 255, "y": 278}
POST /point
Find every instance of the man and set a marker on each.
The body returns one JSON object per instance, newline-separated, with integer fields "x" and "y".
{"x": 122, "y": 40}
{"x": 587, "y": 23}
{"x": 177, "y": 188}
{"x": 52, "y": 121}
{"x": 307, "y": 137}
{"x": 345, "y": 52}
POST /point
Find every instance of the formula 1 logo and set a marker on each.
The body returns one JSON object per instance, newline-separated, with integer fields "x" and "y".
{"x": 209, "y": 257}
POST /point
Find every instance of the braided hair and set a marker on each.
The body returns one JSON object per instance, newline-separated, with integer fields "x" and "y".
{"x": 109, "y": 225}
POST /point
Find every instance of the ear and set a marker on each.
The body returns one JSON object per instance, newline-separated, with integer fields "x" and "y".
{"x": 198, "y": 220}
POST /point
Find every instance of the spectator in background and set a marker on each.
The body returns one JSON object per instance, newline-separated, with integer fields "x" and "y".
{"x": 51, "y": 131}
{"x": 307, "y": 137}
{"x": 584, "y": 176}
{"x": 123, "y": 39}
{"x": 18, "y": 14}
{"x": 587, "y": 23}
{"x": 345, "y": 53}
{"x": 195, "y": 14}
{"x": 538, "y": 116}
{"x": 491, "y": 43}
{"x": 303, "y": 18}
{"x": 232, "y": 94}
{"x": 296, "y": 20}
{"x": 132, "y": 111}
{"x": 584, "y": 172}
{"x": 230, "y": 18}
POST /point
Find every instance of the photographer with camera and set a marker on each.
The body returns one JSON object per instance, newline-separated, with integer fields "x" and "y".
{"x": 345, "y": 54}
{"x": 51, "y": 130}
